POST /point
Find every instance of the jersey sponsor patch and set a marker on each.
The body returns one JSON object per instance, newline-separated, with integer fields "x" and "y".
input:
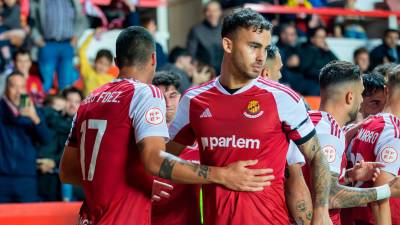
{"x": 330, "y": 153}
{"x": 154, "y": 116}
{"x": 389, "y": 155}
{"x": 253, "y": 110}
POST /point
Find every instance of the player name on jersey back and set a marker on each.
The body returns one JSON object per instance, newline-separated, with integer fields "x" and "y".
{"x": 103, "y": 97}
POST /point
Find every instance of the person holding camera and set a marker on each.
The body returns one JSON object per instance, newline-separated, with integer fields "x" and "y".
{"x": 21, "y": 125}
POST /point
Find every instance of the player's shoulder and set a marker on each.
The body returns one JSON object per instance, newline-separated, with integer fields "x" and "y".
{"x": 325, "y": 123}
{"x": 277, "y": 89}
{"x": 391, "y": 125}
{"x": 197, "y": 90}
{"x": 141, "y": 90}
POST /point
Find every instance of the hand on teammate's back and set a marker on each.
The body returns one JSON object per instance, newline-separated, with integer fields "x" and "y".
{"x": 160, "y": 190}
{"x": 240, "y": 178}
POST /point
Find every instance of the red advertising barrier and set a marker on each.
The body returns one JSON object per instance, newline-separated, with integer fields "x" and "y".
{"x": 59, "y": 213}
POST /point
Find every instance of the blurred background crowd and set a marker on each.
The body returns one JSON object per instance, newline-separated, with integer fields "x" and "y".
{"x": 50, "y": 60}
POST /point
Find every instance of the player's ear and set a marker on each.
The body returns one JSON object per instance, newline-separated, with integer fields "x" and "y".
{"x": 265, "y": 72}
{"x": 153, "y": 59}
{"x": 349, "y": 97}
{"x": 227, "y": 44}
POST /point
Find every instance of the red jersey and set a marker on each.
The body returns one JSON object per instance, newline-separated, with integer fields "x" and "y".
{"x": 332, "y": 141}
{"x": 378, "y": 140}
{"x": 182, "y": 207}
{"x": 107, "y": 126}
{"x": 256, "y": 122}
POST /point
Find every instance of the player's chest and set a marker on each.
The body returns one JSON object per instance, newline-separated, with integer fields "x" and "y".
{"x": 225, "y": 115}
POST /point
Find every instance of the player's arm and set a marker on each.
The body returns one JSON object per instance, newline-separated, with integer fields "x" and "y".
{"x": 235, "y": 176}
{"x": 321, "y": 177}
{"x": 381, "y": 209}
{"x": 174, "y": 148}
{"x": 298, "y": 197}
{"x": 70, "y": 169}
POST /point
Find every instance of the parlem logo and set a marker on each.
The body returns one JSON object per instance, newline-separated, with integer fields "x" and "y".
{"x": 154, "y": 116}
{"x": 229, "y": 142}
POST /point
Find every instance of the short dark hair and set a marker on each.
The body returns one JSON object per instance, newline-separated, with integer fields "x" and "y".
{"x": 146, "y": 20}
{"x": 104, "y": 53}
{"x": 71, "y": 90}
{"x": 176, "y": 53}
{"x": 312, "y": 32}
{"x": 387, "y": 31}
{"x": 272, "y": 50}
{"x": 49, "y": 100}
{"x": 134, "y": 47}
{"x": 13, "y": 74}
{"x": 372, "y": 82}
{"x": 360, "y": 51}
{"x": 244, "y": 18}
{"x": 394, "y": 77}
{"x": 337, "y": 72}
{"x": 384, "y": 69}
{"x": 21, "y": 51}
{"x": 167, "y": 78}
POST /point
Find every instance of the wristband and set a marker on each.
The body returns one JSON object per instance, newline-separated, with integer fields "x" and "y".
{"x": 382, "y": 192}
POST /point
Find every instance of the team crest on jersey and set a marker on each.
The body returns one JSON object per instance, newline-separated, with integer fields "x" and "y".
{"x": 389, "y": 155}
{"x": 330, "y": 153}
{"x": 253, "y": 110}
{"x": 154, "y": 116}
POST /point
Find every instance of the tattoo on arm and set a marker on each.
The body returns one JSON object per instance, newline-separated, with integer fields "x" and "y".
{"x": 169, "y": 162}
{"x": 321, "y": 177}
{"x": 347, "y": 197}
{"x": 301, "y": 208}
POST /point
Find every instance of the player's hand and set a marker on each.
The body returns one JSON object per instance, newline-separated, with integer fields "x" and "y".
{"x": 321, "y": 217}
{"x": 395, "y": 187}
{"x": 160, "y": 190}
{"x": 365, "y": 171}
{"x": 238, "y": 177}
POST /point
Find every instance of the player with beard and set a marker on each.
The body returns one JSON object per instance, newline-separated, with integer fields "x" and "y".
{"x": 378, "y": 140}
{"x": 240, "y": 116}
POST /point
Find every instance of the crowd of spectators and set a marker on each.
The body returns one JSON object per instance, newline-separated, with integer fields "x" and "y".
{"x": 41, "y": 96}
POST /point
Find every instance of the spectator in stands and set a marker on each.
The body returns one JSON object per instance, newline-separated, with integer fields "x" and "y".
{"x": 204, "y": 39}
{"x": 94, "y": 77}
{"x": 202, "y": 73}
{"x": 57, "y": 26}
{"x": 169, "y": 84}
{"x": 48, "y": 156}
{"x": 73, "y": 98}
{"x": 150, "y": 24}
{"x": 388, "y": 51}
{"x": 21, "y": 125}
{"x": 180, "y": 64}
{"x": 34, "y": 88}
{"x": 349, "y": 26}
{"x": 361, "y": 59}
{"x": 10, "y": 30}
{"x": 290, "y": 56}
{"x": 315, "y": 54}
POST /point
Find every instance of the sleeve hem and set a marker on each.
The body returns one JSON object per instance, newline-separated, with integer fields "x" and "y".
{"x": 305, "y": 138}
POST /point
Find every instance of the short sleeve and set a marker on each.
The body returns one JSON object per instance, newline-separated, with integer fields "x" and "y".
{"x": 181, "y": 129}
{"x": 388, "y": 154}
{"x": 72, "y": 140}
{"x": 148, "y": 113}
{"x": 294, "y": 156}
{"x": 333, "y": 149}
{"x": 296, "y": 122}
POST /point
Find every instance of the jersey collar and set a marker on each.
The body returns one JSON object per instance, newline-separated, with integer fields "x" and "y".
{"x": 241, "y": 90}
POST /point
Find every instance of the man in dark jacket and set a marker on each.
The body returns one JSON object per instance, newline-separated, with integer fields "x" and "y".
{"x": 388, "y": 51}
{"x": 21, "y": 124}
{"x": 315, "y": 54}
{"x": 204, "y": 40}
{"x": 290, "y": 52}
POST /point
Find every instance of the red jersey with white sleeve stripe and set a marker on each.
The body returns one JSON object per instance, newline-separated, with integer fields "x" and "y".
{"x": 378, "y": 140}
{"x": 332, "y": 141}
{"x": 106, "y": 128}
{"x": 255, "y": 122}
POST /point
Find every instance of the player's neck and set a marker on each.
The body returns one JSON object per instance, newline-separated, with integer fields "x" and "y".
{"x": 232, "y": 78}
{"x": 336, "y": 111}
{"x": 134, "y": 73}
